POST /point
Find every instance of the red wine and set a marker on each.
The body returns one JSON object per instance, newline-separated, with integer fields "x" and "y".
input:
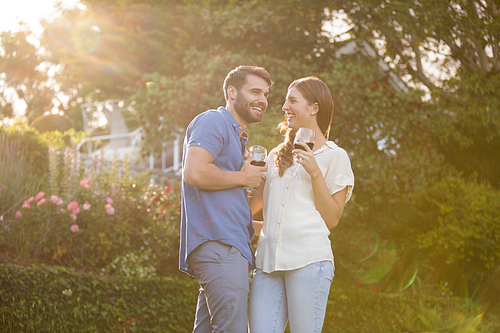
{"x": 258, "y": 163}
{"x": 310, "y": 144}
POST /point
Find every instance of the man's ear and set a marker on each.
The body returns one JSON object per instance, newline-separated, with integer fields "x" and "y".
{"x": 232, "y": 92}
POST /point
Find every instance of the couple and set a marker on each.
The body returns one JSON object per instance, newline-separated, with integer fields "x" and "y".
{"x": 302, "y": 195}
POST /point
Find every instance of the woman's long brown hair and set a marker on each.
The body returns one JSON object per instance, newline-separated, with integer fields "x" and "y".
{"x": 314, "y": 90}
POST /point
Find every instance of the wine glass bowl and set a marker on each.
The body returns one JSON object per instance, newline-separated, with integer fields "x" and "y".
{"x": 305, "y": 135}
{"x": 259, "y": 156}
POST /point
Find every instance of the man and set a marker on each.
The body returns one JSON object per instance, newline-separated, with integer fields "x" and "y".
{"x": 216, "y": 222}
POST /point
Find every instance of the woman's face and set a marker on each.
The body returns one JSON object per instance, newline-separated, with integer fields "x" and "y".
{"x": 298, "y": 111}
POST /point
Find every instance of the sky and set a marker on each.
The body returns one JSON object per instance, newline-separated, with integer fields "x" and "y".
{"x": 29, "y": 11}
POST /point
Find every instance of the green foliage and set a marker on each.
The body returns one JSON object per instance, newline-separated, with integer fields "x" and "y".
{"x": 21, "y": 71}
{"x": 60, "y": 300}
{"x": 35, "y": 151}
{"x": 351, "y": 310}
{"x": 92, "y": 221}
{"x": 396, "y": 141}
{"x": 282, "y": 29}
{"x": 451, "y": 48}
{"x": 23, "y": 165}
{"x": 444, "y": 240}
{"x": 384, "y": 130}
{"x": 167, "y": 104}
{"x": 104, "y": 50}
{"x": 456, "y": 224}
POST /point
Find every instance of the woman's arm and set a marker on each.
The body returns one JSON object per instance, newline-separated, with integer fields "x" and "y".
{"x": 331, "y": 207}
{"x": 255, "y": 202}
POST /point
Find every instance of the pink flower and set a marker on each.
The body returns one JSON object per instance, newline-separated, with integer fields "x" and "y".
{"x": 109, "y": 200}
{"x": 39, "y": 196}
{"x": 86, "y": 205}
{"x": 85, "y": 183}
{"x": 73, "y": 207}
{"x": 109, "y": 209}
{"x": 73, "y": 216}
{"x": 74, "y": 228}
{"x": 18, "y": 215}
{"x": 168, "y": 190}
{"x": 26, "y": 204}
{"x": 30, "y": 200}
{"x": 41, "y": 202}
{"x": 1, "y": 216}
{"x": 56, "y": 200}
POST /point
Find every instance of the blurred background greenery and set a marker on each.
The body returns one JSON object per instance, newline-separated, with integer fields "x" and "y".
{"x": 416, "y": 107}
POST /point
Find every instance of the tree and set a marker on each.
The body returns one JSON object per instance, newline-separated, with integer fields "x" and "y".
{"x": 23, "y": 76}
{"x": 104, "y": 50}
{"x": 168, "y": 103}
{"x": 460, "y": 39}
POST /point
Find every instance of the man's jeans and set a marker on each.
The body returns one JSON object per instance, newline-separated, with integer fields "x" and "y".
{"x": 299, "y": 296}
{"x": 222, "y": 273}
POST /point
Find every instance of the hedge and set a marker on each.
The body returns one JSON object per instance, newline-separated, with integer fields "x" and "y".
{"x": 49, "y": 299}
{"x": 61, "y": 300}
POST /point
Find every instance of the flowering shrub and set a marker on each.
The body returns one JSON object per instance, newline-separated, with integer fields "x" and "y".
{"x": 99, "y": 219}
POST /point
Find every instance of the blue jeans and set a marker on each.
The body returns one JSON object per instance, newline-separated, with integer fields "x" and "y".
{"x": 222, "y": 273}
{"x": 299, "y": 296}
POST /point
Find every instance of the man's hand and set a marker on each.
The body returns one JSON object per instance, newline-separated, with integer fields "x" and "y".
{"x": 252, "y": 173}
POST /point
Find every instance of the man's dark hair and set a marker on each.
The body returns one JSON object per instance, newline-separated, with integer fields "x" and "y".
{"x": 237, "y": 77}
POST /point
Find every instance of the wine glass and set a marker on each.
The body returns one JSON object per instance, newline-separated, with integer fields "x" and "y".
{"x": 307, "y": 136}
{"x": 259, "y": 155}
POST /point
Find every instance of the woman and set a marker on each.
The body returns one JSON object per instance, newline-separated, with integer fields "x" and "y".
{"x": 302, "y": 198}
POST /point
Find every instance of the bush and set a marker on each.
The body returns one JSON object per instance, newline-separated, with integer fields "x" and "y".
{"x": 97, "y": 220}
{"x": 23, "y": 165}
{"x": 24, "y": 161}
{"x": 455, "y": 225}
{"x": 60, "y": 300}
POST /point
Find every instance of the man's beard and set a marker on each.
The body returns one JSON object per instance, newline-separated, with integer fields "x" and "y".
{"x": 244, "y": 110}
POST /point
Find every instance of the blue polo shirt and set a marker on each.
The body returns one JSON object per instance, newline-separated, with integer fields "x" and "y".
{"x": 223, "y": 215}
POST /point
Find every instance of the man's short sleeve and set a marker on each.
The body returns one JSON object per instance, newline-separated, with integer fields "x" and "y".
{"x": 207, "y": 133}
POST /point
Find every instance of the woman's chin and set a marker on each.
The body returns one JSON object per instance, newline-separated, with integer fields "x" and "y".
{"x": 291, "y": 125}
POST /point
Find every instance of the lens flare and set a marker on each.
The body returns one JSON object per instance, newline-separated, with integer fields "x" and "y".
{"x": 409, "y": 276}
{"x": 380, "y": 263}
{"x": 86, "y": 37}
{"x": 152, "y": 88}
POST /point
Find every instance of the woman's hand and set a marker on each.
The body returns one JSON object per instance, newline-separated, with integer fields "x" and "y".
{"x": 306, "y": 159}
